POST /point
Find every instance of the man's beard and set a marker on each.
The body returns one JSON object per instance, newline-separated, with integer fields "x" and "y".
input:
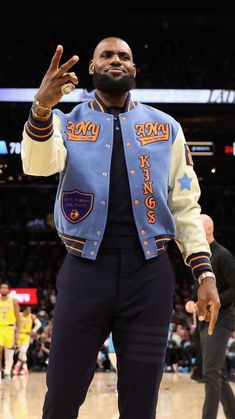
{"x": 106, "y": 83}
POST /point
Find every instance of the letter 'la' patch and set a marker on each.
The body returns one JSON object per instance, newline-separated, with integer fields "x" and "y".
{"x": 76, "y": 205}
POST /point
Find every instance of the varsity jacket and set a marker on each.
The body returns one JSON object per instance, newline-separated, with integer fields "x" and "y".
{"x": 163, "y": 184}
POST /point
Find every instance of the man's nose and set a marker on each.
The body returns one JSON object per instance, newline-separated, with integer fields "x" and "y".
{"x": 115, "y": 59}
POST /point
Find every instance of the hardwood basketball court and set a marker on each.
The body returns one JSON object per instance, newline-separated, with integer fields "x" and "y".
{"x": 179, "y": 398}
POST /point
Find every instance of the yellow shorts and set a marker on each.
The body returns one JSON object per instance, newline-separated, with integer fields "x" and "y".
{"x": 7, "y": 336}
{"x": 24, "y": 339}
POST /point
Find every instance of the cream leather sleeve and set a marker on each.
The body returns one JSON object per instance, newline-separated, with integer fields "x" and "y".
{"x": 184, "y": 193}
{"x": 44, "y": 158}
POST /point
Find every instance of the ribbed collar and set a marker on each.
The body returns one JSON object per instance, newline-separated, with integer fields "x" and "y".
{"x": 98, "y": 105}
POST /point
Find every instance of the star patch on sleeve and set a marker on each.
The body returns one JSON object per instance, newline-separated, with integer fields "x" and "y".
{"x": 185, "y": 182}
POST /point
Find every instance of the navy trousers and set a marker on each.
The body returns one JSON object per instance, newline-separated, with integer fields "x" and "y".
{"x": 121, "y": 293}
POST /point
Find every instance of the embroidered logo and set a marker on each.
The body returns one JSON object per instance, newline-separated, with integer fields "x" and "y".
{"x": 147, "y": 186}
{"x": 83, "y": 131}
{"x": 152, "y": 132}
{"x": 76, "y": 205}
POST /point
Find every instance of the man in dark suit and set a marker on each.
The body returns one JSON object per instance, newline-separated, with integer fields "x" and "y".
{"x": 217, "y": 387}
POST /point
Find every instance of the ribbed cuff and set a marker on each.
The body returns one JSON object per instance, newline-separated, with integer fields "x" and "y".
{"x": 199, "y": 262}
{"x": 39, "y": 130}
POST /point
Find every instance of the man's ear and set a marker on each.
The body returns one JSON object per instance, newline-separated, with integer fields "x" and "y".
{"x": 134, "y": 68}
{"x": 91, "y": 67}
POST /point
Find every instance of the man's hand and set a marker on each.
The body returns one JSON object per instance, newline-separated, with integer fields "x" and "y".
{"x": 208, "y": 304}
{"x": 49, "y": 93}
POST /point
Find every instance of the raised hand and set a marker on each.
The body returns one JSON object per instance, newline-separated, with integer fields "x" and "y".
{"x": 49, "y": 93}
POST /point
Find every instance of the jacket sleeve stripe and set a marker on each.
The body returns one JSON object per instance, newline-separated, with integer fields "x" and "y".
{"x": 37, "y": 137}
{"x": 199, "y": 263}
{"x": 39, "y": 130}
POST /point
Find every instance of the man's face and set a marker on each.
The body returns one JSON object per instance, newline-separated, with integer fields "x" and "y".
{"x": 26, "y": 311}
{"x": 112, "y": 66}
{"x": 4, "y": 289}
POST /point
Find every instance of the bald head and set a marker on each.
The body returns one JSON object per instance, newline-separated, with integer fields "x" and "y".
{"x": 208, "y": 226}
{"x": 110, "y": 42}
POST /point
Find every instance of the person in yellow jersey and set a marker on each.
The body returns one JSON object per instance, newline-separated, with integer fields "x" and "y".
{"x": 29, "y": 325}
{"x": 9, "y": 327}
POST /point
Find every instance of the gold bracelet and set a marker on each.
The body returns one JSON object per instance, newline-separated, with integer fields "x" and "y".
{"x": 39, "y": 106}
{"x": 36, "y": 104}
{"x": 44, "y": 117}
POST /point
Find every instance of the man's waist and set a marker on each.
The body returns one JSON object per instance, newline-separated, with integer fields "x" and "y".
{"x": 117, "y": 242}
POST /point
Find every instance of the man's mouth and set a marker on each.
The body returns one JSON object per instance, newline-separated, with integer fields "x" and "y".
{"x": 115, "y": 70}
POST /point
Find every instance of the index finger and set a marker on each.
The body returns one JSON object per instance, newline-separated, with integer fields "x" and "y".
{"x": 66, "y": 66}
{"x": 213, "y": 320}
{"x": 56, "y": 58}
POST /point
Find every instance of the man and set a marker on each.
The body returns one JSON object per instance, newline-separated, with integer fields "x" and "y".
{"x": 29, "y": 325}
{"x": 127, "y": 187}
{"x": 217, "y": 387}
{"x": 9, "y": 326}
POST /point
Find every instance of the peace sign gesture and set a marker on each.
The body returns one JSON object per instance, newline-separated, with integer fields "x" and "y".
{"x": 49, "y": 93}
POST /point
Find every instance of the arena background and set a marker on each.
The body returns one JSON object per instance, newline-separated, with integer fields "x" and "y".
{"x": 171, "y": 51}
